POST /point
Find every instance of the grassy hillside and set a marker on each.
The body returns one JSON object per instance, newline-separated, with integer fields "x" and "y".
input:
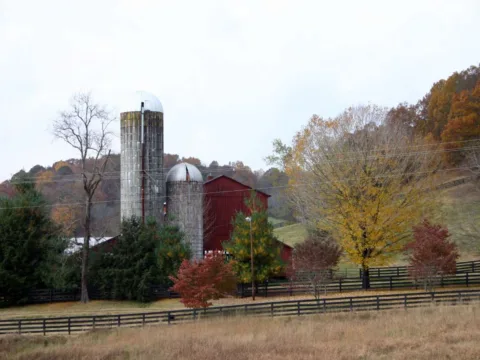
{"x": 291, "y": 234}
{"x": 458, "y": 208}
{"x": 424, "y": 333}
{"x": 276, "y": 222}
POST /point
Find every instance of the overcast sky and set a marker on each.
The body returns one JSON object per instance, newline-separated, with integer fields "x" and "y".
{"x": 231, "y": 75}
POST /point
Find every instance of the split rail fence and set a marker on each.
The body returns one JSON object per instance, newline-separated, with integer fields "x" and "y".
{"x": 461, "y": 267}
{"x": 285, "y": 288}
{"x": 73, "y": 324}
{"x": 386, "y": 278}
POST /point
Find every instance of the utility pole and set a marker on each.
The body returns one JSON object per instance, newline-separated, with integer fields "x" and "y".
{"x": 142, "y": 139}
{"x": 249, "y": 219}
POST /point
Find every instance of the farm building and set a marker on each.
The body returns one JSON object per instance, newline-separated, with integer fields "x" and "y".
{"x": 224, "y": 197}
{"x": 203, "y": 211}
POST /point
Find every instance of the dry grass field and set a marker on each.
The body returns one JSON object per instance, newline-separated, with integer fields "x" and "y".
{"x": 426, "y": 333}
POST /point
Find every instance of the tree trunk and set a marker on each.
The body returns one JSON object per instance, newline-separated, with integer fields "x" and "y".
{"x": 365, "y": 278}
{"x": 85, "y": 252}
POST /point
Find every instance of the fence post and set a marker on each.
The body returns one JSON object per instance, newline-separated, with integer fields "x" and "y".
{"x": 433, "y": 296}
{"x": 405, "y": 301}
{"x": 44, "y": 327}
{"x": 194, "y": 314}
{"x": 340, "y": 284}
{"x": 351, "y": 304}
{"x": 466, "y": 278}
{"x": 473, "y": 266}
{"x": 298, "y": 308}
{"x": 19, "y": 326}
{"x": 271, "y": 308}
{"x": 360, "y": 273}
{"x": 94, "y": 323}
{"x": 266, "y": 289}
{"x": 118, "y": 320}
{"x": 143, "y": 319}
{"x": 390, "y": 283}
{"x": 441, "y": 280}
{"x": 69, "y": 325}
{"x": 378, "y": 303}
{"x": 398, "y": 271}
{"x": 378, "y": 270}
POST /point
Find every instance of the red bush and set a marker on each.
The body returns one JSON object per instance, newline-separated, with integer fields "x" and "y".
{"x": 197, "y": 282}
{"x": 431, "y": 253}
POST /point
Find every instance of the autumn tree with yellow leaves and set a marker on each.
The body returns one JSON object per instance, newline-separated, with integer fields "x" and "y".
{"x": 360, "y": 179}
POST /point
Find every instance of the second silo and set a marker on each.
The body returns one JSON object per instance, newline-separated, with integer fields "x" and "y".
{"x": 185, "y": 204}
{"x": 141, "y": 180}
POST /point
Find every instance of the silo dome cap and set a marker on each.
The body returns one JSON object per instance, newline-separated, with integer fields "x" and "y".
{"x": 133, "y": 102}
{"x": 184, "y": 172}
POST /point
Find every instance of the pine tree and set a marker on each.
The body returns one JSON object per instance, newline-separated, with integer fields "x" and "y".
{"x": 30, "y": 245}
{"x": 144, "y": 255}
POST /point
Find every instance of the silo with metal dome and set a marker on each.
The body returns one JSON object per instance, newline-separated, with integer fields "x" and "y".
{"x": 185, "y": 204}
{"x": 141, "y": 180}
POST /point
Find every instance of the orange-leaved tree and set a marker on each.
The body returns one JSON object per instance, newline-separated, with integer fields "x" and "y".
{"x": 431, "y": 254}
{"x": 463, "y": 128}
{"x": 198, "y": 282}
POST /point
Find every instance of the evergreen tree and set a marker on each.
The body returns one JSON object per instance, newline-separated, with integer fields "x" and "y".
{"x": 30, "y": 244}
{"x": 266, "y": 248}
{"x": 144, "y": 256}
{"x": 170, "y": 252}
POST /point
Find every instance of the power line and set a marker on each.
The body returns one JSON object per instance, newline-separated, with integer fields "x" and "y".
{"x": 353, "y": 159}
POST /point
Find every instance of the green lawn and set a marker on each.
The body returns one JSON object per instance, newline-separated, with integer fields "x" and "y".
{"x": 459, "y": 210}
{"x": 74, "y": 308}
{"x": 275, "y": 221}
{"x": 291, "y": 234}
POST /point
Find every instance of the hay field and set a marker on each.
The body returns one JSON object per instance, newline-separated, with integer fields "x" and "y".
{"x": 426, "y": 333}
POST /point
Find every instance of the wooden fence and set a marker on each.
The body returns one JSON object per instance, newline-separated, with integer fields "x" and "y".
{"x": 462, "y": 267}
{"x": 73, "y": 324}
{"x": 380, "y": 278}
{"x": 285, "y": 288}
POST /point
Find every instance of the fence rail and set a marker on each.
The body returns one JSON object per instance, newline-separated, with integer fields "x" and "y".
{"x": 73, "y": 324}
{"x": 461, "y": 267}
{"x": 285, "y": 288}
{"x": 467, "y": 273}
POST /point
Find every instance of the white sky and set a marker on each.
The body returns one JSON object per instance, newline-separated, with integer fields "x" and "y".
{"x": 231, "y": 75}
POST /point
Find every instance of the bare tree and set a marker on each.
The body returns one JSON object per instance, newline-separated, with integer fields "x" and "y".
{"x": 84, "y": 126}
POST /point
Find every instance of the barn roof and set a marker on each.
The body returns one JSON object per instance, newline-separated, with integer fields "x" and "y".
{"x": 236, "y": 181}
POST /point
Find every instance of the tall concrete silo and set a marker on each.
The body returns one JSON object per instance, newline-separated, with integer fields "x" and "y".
{"x": 185, "y": 204}
{"x": 142, "y": 183}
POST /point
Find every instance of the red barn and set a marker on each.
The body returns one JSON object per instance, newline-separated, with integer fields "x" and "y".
{"x": 224, "y": 197}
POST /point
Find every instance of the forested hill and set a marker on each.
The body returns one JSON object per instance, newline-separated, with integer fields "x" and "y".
{"x": 61, "y": 184}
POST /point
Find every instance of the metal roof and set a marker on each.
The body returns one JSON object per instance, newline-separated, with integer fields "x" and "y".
{"x": 75, "y": 244}
{"x": 133, "y": 102}
{"x": 238, "y": 182}
{"x": 179, "y": 173}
